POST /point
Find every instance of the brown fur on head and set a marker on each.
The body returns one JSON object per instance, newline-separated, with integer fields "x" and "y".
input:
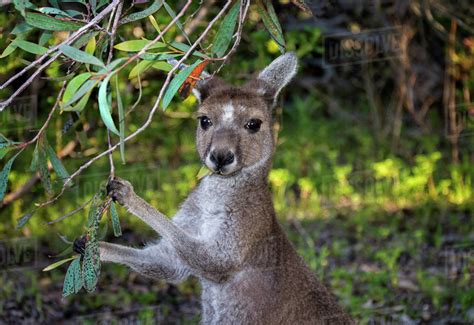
{"x": 235, "y": 123}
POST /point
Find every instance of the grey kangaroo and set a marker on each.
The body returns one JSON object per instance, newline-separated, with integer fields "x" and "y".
{"x": 226, "y": 233}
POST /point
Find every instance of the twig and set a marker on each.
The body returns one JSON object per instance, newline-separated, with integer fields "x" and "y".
{"x": 157, "y": 102}
{"x": 51, "y": 113}
{"x": 71, "y": 213}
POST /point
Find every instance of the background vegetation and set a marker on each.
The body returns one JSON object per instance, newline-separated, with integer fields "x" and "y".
{"x": 372, "y": 176}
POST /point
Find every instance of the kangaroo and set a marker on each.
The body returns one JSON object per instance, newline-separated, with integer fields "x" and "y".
{"x": 226, "y": 233}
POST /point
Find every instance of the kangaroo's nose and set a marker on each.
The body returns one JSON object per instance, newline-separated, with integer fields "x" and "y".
{"x": 222, "y": 158}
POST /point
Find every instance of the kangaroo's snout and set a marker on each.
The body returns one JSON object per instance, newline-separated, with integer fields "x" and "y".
{"x": 222, "y": 158}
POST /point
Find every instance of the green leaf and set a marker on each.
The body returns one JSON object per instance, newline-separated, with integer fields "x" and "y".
{"x": 8, "y": 50}
{"x": 91, "y": 265}
{"x": 184, "y": 48}
{"x": 42, "y": 165}
{"x": 24, "y": 219}
{"x": 49, "y": 23}
{"x": 59, "y": 263}
{"x": 121, "y": 114}
{"x": 45, "y": 37}
{"x": 30, "y": 47}
{"x": 115, "y": 220}
{"x": 139, "y": 68}
{"x": 159, "y": 56}
{"x": 53, "y": 11}
{"x": 73, "y": 280}
{"x": 4, "y": 175}
{"x": 80, "y": 56}
{"x": 34, "y": 161}
{"x": 176, "y": 83}
{"x": 154, "y": 23}
{"x": 172, "y": 14}
{"x": 203, "y": 171}
{"x": 226, "y": 31}
{"x": 83, "y": 90}
{"x": 154, "y": 7}
{"x": 91, "y": 45}
{"x": 74, "y": 85}
{"x": 57, "y": 164}
{"x": 79, "y": 107}
{"x": 104, "y": 106}
{"x": 137, "y": 45}
{"x": 21, "y": 28}
{"x": 163, "y": 66}
{"x": 21, "y": 5}
{"x": 4, "y": 151}
{"x": 271, "y": 23}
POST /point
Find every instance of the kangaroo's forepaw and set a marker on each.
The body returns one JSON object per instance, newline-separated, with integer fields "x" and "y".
{"x": 79, "y": 245}
{"x": 119, "y": 190}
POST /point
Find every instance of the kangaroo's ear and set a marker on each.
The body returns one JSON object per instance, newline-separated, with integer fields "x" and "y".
{"x": 204, "y": 88}
{"x": 277, "y": 75}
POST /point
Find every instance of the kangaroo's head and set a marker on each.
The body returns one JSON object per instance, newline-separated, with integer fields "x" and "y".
{"x": 234, "y": 130}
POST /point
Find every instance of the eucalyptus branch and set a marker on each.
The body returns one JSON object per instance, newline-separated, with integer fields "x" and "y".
{"x": 157, "y": 102}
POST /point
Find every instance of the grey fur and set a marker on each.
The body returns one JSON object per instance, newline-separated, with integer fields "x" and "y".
{"x": 226, "y": 233}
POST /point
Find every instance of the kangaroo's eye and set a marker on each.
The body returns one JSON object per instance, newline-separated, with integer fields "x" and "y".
{"x": 205, "y": 122}
{"x": 253, "y": 125}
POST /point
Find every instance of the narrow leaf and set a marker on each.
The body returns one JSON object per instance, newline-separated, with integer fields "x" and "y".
{"x": 104, "y": 106}
{"x": 91, "y": 45}
{"x": 79, "y": 107}
{"x": 80, "y": 56}
{"x": 57, "y": 165}
{"x": 84, "y": 89}
{"x": 49, "y": 23}
{"x": 226, "y": 31}
{"x": 177, "y": 81}
{"x": 121, "y": 114}
{"x": 8, "y": 50}
{"x": 272, "y": 26}
{"x": 45, "y": 176}
{"x": 115, "y": 220}
{"x": 58, "y": 263}
{"x": 4, "y": 175}
{"x": 30, "y": 47}
{"x": 139, "y": 68}
{"x": 154, "y": 7}
{"x": 23, "y": 220}
{"x": 91, "y": 266}
{"x": 45, "y": 37}
{"x": 137, "y": 45}
{"x": 74, "y": 85}
{"x": 73, "y": 280}
{"x": 53, "y": 11}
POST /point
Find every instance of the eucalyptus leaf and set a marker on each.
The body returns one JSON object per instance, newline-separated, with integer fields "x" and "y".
{"x": 24, "y": 219}
{"x": 74, "y": 85}
{"x": 104, "y": 106}
{"x": 177, "y": 81}
{"x": 73, "y": 280}
{"x": 30, "y": 47}
{"x": 137, "y": 45}
{"x": 154, "y": 7}
{"x": 115, "y": 220}
{"x": 121, "y": 115}
{"x": 80, "y": 56}
{"x": 49, "y": 23}
{"x": 4, "y": 175}
{"x": 83, "y": 90}
{"x": 57, "y": 165}
{"x": 226, "y": 31}
{"x": 59, "y": 263}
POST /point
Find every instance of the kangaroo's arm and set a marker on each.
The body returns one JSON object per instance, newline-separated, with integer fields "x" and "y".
{"x": 157, "y": 261}
{"x": 194, "y": 253}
